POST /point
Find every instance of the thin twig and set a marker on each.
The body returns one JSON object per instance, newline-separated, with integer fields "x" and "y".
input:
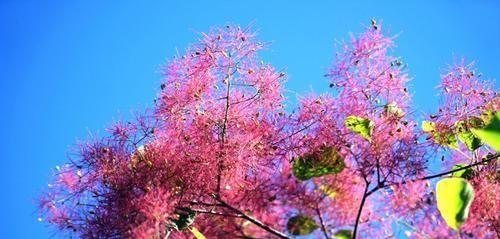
{"x": 323, "y": 227}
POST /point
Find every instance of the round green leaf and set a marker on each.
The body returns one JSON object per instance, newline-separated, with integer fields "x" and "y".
{"x": 301, "y": 225}
{"x": 454, "y": 197}
{"x": 316, "y": 164}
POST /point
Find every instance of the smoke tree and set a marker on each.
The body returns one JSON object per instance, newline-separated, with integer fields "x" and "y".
{"x": 219, "y": 155}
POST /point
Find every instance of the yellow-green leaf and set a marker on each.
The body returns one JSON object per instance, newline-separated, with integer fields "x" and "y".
{"x": 454, "y": 197}
{"x": 361, "y": 126}
{"x": 197, "y": 233}
{"x": 301, "y": 225}
{"x": 428, "y": 126}
{"x": 442, "y": 138}
{"x": 463, "y": 131}
{"x": 316, "y": 164}
{"x": 490, "y": 134}
{"x": 343, "y": 234}
{"x": 327, "y": 190}
{"x": 393, "y": 109}
{"x": 487, "y": 116}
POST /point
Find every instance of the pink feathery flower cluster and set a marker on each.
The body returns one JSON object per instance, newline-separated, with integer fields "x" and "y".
{"x": 220, "y": 155}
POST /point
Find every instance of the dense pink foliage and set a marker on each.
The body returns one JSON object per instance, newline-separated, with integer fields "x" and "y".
{"x": 220, "y": 143}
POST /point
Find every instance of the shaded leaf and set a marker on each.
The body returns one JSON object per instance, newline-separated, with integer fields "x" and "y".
{"x": 464, "y": 173}
{"x": 361, "y": 126}
{"x": 301, "y": 225}
{"x": 343, "y": 234}
{"x": 463, "y": 131}
{"x": 316, "y": 164}
{"x": 490, "y": 134}
{"x": 454, "y": 197}
{"x": 186, "y": 218}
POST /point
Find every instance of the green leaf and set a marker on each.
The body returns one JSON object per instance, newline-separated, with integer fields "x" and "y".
{"x": 442, "y": 138}
{"x": 393, "y": 109}
{"x": 490, "y": 134}
{"x": 316, "y": 164}
{"x": 328, "y": 191}
{"x": 454, "y": 197}
{"x": 186, "y": 218}
{"x": 343, "y": 234}
{"x": 464, "y": 173}
{"x": 301, "y": 225}
{"x": 361, "y": 126}
{"x": 428, "y": 126}
{"x": 463, "y": 131}
{"x": 197, "y": 233}
{"x": 487, "y": 116}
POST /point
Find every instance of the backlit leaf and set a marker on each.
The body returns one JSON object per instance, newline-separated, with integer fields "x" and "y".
{"x": 428, "y": 126}
{"x": 443, "y": 138}
{"x": 490, "y": 134}
{"x": 197, "y": 233}
{"x": 330, "y": 192}
{"x": 454, "y": 197}
{"x": 393, "y": 109}
{"x": 361, "y": 126}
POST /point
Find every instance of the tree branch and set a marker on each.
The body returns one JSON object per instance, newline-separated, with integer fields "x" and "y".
{"x": 360, "y": 210}
{"x": 488, "y": 159}
{"x": 323, "y": 227}
{"x": 254, "y": 221}
{"x": 224, "y": 129}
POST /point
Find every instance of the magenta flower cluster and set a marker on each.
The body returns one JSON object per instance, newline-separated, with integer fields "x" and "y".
{"x": 218, "y": 153}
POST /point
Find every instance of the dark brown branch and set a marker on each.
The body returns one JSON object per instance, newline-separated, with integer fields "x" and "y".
{"x": 212, "y": 212}
{"x": 323, "y": 227}
{"x": 360, "y": 210}
{"x": 488, "y": 159}
{"x": 224, "y": 130}
{"x": 254, "y": 221}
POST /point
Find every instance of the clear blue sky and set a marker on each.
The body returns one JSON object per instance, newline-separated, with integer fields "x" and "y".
{"x": 70, "y": 67}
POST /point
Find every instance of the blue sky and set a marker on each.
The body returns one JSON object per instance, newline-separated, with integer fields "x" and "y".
{"x": 68, "y": 68}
